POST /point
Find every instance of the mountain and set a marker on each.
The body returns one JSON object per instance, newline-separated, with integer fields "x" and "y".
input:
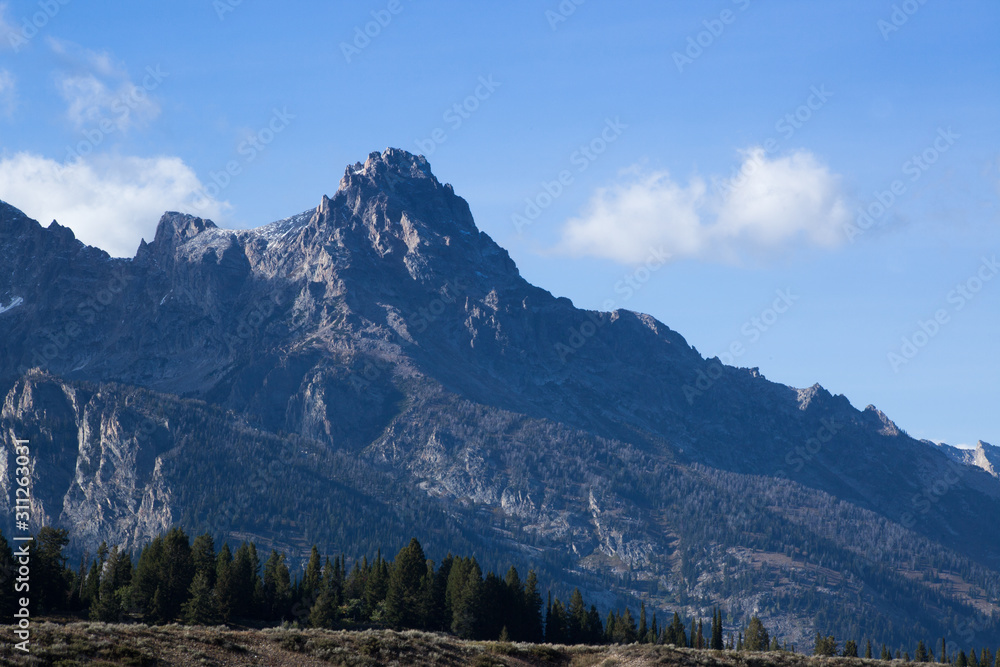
{"x": 377, "y": 368}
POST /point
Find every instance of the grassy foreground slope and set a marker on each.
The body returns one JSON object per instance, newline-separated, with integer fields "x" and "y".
{"x": 139, "y": 645}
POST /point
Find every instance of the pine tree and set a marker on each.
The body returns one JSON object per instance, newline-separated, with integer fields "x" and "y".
{"x": 756, "y": 637}
{"x": 961, "y": 660}
{"x": 700, "y": 643}
{"x": 313, "y": 576}
{"x": 277, "y": 586}
{"x": 692, "y": 636}
{"x": 774, "y": 646}
{"x": 576, "y": 619}
{"x": 595, "y": 631}
{"x": 643, "y": 626}
{"x": 203, "y": 557}
{"x": 921, "y": 655}
{"x": 406, "y": 589}
{"x": 114, "y": 590}
{"x": 440, "y": 609}
{"x": 246, "y": 581}
{"x": 512, "y": 606}
{"x": 323, "y": 613}
{"x": 850, "y": 649}
{"x": 92, "y": 584}
{"x": 717, "y": 629}
{"x": 48, "y": 569}
{"x": 885, "y": 655}
{"x": 200, "y": 606}
{"x": 629, "y": 630}
{"x": 225, "y": 584}
{"x": 165, "y": 567}
{"x": 825, "y": 645}
{"x": 491, "y": 619}
{"x": 532, "y": 608}
{"x": 555, "y": 624}
{"x": 465, "y": 593}
{"x": 376, "y": 587}
{"x": 868, "y": 649}
{"x": 675, "y": 632}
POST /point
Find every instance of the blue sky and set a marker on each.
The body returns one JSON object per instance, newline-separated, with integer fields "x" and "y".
{"x": 741, "y": 138}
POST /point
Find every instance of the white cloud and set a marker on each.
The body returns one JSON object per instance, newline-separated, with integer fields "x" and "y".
{"x": 99, "y": 89}
{"x": 8, "y": 93}
{"x": 108, "y": 201}
{"x": 770, "y": 207}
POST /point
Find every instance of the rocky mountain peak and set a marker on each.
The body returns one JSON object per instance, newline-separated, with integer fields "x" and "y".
{"x": 880, "y": 421}
{"x": 179, "y": 227}
{"x": 173, "y": 230}
{"x": 390, "y": 167}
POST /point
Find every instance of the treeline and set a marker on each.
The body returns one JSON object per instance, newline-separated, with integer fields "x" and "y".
{"x": 175, "y": 579}
{"x": 924, "y": 652}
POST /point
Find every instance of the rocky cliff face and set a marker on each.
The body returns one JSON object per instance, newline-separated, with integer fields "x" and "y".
{"x": 379, "y": 361}
{"x": 984, "y": 456}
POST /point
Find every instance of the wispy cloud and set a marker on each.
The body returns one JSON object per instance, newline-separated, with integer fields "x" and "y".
{"x": 95, "y": 88}
{"x": 773, "y": 206}
{"x": 108, "y": 201}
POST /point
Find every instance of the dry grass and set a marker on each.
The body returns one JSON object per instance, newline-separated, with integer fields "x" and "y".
{"x": 140, "y": 646}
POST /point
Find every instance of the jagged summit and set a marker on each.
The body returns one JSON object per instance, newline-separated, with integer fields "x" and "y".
{"x": 391, "y": 166}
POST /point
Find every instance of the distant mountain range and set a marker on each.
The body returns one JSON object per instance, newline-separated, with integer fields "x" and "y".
{"x": 377, "y": 368}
